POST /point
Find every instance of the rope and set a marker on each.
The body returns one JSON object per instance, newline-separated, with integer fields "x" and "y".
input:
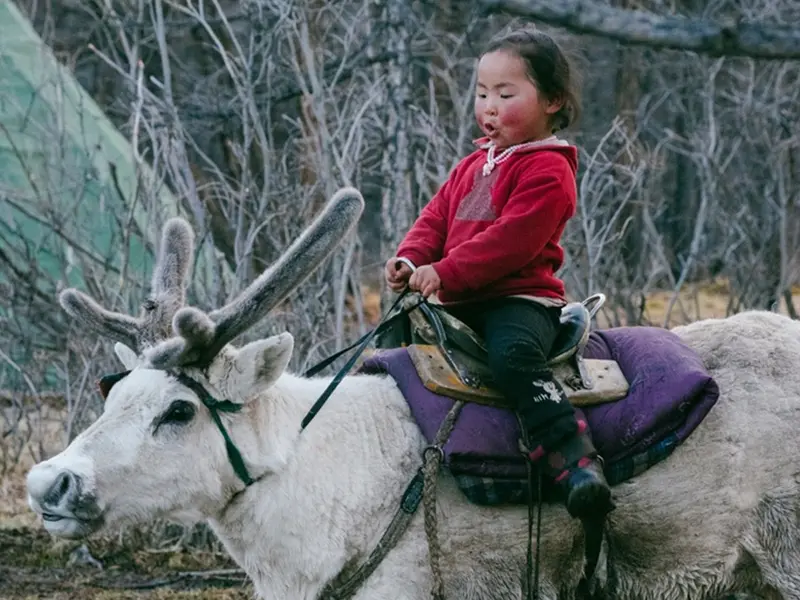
{"x": 346, "y": 588}
{"x": 533, "y": 561}
{"x": 433, "y": 456}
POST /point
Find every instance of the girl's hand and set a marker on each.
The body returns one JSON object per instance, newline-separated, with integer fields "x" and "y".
{"x": 397, "y": 274}
{"x": 425, "y": 280}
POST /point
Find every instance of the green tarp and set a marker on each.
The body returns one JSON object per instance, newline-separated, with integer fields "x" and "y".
{"x": 64, "y": 220}
{"x": 57, "y": 196}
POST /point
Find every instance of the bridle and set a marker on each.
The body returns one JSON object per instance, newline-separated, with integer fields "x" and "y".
{"x": 214, "y": 406}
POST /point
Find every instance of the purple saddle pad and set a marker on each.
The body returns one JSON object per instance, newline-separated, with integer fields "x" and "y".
{"x": 670, "y": 394}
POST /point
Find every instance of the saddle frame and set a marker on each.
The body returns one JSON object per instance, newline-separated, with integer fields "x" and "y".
{"x": 450, "y": 357}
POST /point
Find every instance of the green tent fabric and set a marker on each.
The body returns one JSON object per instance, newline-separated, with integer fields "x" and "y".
{"x": 65, "y": 220}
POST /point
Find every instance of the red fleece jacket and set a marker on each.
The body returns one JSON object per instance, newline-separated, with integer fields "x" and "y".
{"x": 498, "y": 235}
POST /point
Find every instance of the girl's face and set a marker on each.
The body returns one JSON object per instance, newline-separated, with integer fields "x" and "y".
{"x": 508, "y": 107}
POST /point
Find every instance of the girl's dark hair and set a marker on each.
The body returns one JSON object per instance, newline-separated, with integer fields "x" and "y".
{"x": 548, "y": 67}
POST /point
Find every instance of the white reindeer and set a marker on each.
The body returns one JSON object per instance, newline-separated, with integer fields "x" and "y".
{"x": 721, "y": 515}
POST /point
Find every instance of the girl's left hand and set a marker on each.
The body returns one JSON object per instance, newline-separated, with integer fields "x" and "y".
{"x": 425, "y": 280}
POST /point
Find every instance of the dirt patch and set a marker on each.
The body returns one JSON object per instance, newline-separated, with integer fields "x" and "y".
{"x": 35, "y": 566}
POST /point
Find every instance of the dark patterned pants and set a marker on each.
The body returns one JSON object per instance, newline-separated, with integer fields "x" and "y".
{"x": 519, "y": 334}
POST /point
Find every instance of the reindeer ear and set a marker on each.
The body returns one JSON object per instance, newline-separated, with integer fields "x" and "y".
{"x": 260, "y": 363}
{"x": 106, "y": 382}
{"x": 126, "y": 356}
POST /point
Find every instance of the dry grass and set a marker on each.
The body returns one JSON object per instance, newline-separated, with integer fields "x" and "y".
{"x": 159, "y": 594}
{"x": 37, "y": 434}
{"x": 14, "y": 511}
{"x": 708, "y": 300}
{"x": 35, "y": 566}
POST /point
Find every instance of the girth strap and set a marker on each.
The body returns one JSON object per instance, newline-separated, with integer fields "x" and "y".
{"x": 422, "y": 488}
{"x": 400, "y": 522}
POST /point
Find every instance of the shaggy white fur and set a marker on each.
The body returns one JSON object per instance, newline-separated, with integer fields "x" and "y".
{"x": 721, "y": 515}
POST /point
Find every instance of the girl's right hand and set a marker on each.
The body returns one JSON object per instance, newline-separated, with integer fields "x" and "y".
{"x": 397, "y": 274}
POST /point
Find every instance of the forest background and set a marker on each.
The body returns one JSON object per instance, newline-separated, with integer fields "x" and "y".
{"x": 253, "y": 113}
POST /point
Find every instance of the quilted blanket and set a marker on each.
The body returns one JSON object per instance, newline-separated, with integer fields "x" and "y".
{"x": 670, "y": 394}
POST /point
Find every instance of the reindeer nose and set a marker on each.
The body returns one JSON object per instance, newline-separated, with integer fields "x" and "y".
{"x": 53, "y": 488}
{"x": 65, "y": 486}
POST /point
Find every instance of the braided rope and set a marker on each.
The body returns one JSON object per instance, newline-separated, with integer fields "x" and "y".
{"x": 433, "y": 456}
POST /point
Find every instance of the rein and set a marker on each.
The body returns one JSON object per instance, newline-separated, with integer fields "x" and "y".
{"x": 362, "y": 343}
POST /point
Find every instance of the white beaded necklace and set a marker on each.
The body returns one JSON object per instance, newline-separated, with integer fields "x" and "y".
{"x": 491, "y": 161}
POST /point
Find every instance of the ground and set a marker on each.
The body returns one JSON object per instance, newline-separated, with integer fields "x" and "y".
{"x": 130, "y": 566}
{"x": 153, "y": 564}
{"x": 33, "y": 566}
{"x": 127, "y": 566}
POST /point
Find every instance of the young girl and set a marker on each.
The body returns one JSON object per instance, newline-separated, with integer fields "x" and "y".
{"x": 488, "y": 245}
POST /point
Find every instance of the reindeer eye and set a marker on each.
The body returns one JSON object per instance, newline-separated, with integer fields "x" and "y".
{"x": 180, "y": 411}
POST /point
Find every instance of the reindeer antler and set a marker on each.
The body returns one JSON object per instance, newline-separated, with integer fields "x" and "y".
{"x": 167, "y": 295}
{"x": 200, "y": 337}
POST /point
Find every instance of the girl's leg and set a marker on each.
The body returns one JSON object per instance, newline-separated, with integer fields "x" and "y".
{"x": 519, "y": 335}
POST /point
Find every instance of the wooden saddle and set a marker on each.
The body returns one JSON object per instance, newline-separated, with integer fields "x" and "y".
{"x": 451, "y": 358}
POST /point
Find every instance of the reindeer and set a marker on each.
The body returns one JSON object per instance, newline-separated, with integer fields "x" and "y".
{"x": 198, "y": 429}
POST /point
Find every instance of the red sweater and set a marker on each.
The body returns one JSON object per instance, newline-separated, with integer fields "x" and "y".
{"x": 498, "y": 235}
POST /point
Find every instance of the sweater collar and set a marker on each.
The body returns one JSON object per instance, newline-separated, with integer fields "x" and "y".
{"x": 484, "y": 143}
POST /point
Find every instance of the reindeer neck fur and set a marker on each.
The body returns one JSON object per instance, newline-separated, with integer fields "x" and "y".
{"x": 334, "y": 493}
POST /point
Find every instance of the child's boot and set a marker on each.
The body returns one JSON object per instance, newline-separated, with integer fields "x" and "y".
{"x": 577, "y": 468}
{"x": 562, "y": 447}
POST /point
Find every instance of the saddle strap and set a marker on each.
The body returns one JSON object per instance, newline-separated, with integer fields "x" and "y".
{"x": 345, "y": 588}
{"x": 593, "y": 531}
{"x": 532, "y": 563}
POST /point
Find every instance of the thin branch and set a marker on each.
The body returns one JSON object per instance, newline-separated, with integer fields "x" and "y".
{"x": 218, "y": 576}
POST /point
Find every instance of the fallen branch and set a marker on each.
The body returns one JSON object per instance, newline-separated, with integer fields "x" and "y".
{"x": 219, "y": 576}
{"x": 637, "y": 27}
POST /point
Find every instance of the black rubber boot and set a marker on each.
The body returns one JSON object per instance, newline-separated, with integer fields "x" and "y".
{"x": 577, "y": 469}
{"x": 587, "y": 493}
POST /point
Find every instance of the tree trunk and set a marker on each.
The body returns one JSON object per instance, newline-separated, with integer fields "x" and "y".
{"x": 626, "y": 95}
{"x": 396, "y": 164}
